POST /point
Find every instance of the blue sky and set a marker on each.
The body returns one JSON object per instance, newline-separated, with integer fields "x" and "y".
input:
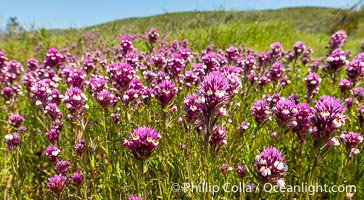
{"x": 80, "y": 13}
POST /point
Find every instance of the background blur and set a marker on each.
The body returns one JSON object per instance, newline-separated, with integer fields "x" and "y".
{"x": 65, "y": 14}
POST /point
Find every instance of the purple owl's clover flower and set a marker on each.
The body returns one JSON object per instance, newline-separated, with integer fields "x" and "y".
{"x": 337, "y": 40}
{"x": 142, "y": 142}
{"x": 359, "y": 93}
{"x": 126, "y": 43}
{"x": 63, "y": 166}
{"x": 164, "y": 92}
{"x": 121, "y": 74}
{"x": 225, "y": 168}
{"x": 96, "y": 84}
{"x": 211, "y": 62}
{"x": 107, "y": 99}
{"x": 16, "y": 120}
{"x": 232, "y": 53}
{"x": 53, "y": 135}
{"x": 212, "y": 97}
{"x": 53, "y": 58}
{"x": 275, "y": 52}
{"x": 276, "y": 72}
{"x": 284, "y": 111}
{"x": 80, "y": 147}
{"x": 299, "y": 47}
{"x": 345, "y": 86}
{"x": 53, "y": 111}
{"x": 218, "y": 139}
{"x": 153, "y": 35}
{"x": 301, "y": 121}
{"x": 261, "y": 112}
{"x": 3, "y": 60}
{"x": 355, "y": 69}
{"x": 75, "y": 100}
{"x": 192, "y": 108}
{"x": 53, "y": 153}
{"x": 77, "y": 178}
{"x": 313, "y": 80}
{"x": 328, "y": 116}
{"x": 270, "y": 165}
{"x": 244, "y": 126}
{"x": 12, "y": 140}
{"x": 212, "y": 93}
{"x": 335, "y": 62}
{"x": 241, "y": 171}
{"x": 352, "y": 140}
{"x": 175, "y": 65}
{"x": 57, "y": 183}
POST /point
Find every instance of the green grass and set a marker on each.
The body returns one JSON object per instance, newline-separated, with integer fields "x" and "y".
{"x": 256, "y": 29}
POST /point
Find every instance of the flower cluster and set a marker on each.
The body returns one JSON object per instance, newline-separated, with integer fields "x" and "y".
{"x": 77, "y": 178}
{"x": 52, "y": 152}
{"x": 218, "y": 137}
{"x": 134, "y": 198}
{"x": 191, "y": 107}
{"x": 57, "y": 183}
{"x": 355, "y": 69}
{"x": 270, "y": 165}
{"x": 241, "y": 171}
{"x": 107, "y": 99}
{"x": 16, "y": 120}
{"x": 352, "y": 140}
{"x": 276, "y": 71}
{"x": 53, "y": 135}
{"x": 75, "y": 100}
{"x": 301, "y": 121}
{"x": 359, "y": 93}
{"x": 328, "y": 116}
{"x": 12, "y": 140}
{"x": 121, "y": 74}
{"x": 153, "y": 35}
{"x": 142, "y": 142}
{"x": 211, "y": 62}
{"x": 284, "y": 111}
{"x": 299, "y": 47}
{"x": 260, "y": 111}
{"x": 345, "y": 85}
{"x": 62, "y": 166}
{"x": 312, "y": 80}
{"x": 53, "y": 58}
{"x": 336, "y": 61}
{"x": 175, "y": 65}
{"x": 212, "y": 93}
{"x": 164, "y": 92}
{"x": 337, "y": 40}
{"x": 126, "y": 43}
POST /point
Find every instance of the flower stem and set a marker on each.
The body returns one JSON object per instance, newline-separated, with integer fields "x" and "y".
{"x": 313, "y": 169}
{"x": 301, "y": 166}
{"x": 143, "y": 179}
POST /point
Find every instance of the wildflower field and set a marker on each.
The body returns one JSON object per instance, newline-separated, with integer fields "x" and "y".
{"x": 233, "y": 111}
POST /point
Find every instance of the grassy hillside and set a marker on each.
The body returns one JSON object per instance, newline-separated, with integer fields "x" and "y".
{"x": 256, "y": 29}
{"x": 307, "y": 19}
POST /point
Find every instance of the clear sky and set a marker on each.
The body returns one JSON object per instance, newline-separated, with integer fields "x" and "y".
{"x": 54, "y": 14}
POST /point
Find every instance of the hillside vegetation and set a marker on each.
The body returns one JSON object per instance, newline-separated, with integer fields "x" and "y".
{"x": 255, "y": 29}
{"x": 154, "y": 107}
